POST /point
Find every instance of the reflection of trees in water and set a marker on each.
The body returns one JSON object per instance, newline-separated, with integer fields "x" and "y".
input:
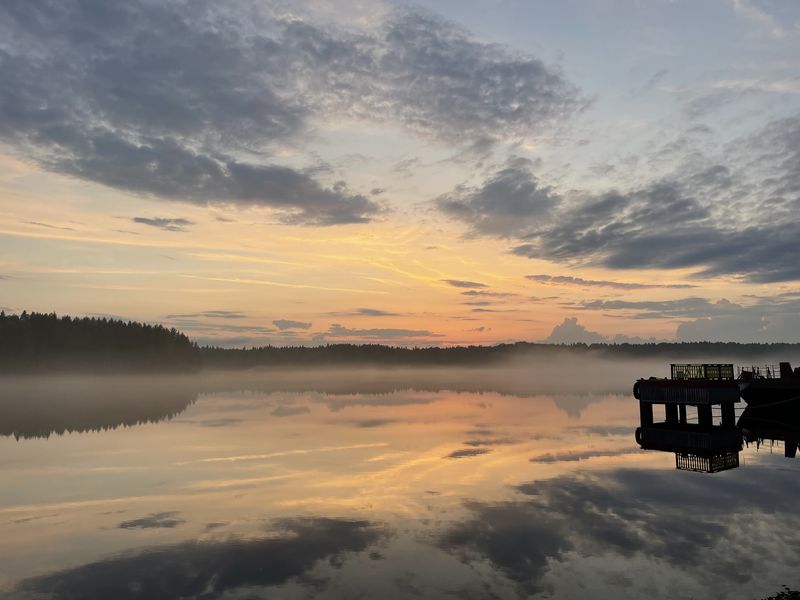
{"x": 39, "y": 408}
{"x": 521, "y": 382}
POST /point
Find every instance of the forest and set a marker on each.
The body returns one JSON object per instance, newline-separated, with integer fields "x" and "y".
{"x": 36, "y": 342}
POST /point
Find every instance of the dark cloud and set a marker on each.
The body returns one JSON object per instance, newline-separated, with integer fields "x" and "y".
{"x": 460, "y": 283}
{"x": 48, "y": 226}
{"x": 185, "y": 101}
{"x": 661, "y": 228}
{"x": 370, "y": 423}
{"x": 208, "y": 569}
{"x": 374, "y": 312}
{"x": 568, "y": 280}
{"x": 659, "y": 309}
{"x": 165, "y": 520}
{"x": 446, "y": 83}
{"x": 606, "y": 430}
{"x": 507, "y": 204}
{"x": 284, "y": 324}
{"x": 160, "y": 100}
{"x": 468, "y": 452}
{"x": 490, "y": 442}
{"x": 513, "y": 536}
{"x": 689, "y": 523}
{"x": 579, "y": 455}
{"x": 164, "y": 223}
{"x": 734, "y": 217}
{"x": 290, "y": 411}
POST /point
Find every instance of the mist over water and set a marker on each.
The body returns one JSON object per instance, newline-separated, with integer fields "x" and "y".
{"x": 521, "y": 480}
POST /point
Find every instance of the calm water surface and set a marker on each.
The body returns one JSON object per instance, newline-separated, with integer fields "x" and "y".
{"x": 372, "y": 485}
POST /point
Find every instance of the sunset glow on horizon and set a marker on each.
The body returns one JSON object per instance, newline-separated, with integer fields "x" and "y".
{"x": 436, "y": 173}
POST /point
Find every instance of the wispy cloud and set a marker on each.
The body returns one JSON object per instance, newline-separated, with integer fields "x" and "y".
{"x": 284, "y": 324}
{"x": 167, "y": 224}
{"x": 567, "y": 280}
{"x": 211, "y": 314}
{"x": 460, "y": 283}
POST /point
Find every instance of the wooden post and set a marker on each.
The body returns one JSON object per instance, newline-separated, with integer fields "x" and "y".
{"x": 645, "y": 414}
{"x": 704, "y": 415}
{"x": 728, "y": 415}
{"x": 672, "y": 413}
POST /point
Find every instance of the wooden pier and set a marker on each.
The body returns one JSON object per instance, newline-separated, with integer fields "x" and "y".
{"x": 699, "y": 443}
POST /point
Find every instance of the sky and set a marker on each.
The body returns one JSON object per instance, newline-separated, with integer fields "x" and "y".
{"x": 431, "y": 173}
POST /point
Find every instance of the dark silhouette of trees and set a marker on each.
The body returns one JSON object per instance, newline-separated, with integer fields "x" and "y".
{"x": 41, "y": 342}
{"x": 377, "y": 354}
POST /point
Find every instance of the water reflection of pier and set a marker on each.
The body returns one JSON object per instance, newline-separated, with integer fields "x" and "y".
{"x": 708, "y": 439}
{"x": 699, "y": 443}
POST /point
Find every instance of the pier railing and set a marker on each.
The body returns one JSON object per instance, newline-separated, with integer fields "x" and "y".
{"x": 759, "y": 372}
{"x": 702, "y": 371}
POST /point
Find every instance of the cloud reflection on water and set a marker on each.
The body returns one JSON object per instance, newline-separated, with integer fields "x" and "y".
{"x": 209, "y": 569}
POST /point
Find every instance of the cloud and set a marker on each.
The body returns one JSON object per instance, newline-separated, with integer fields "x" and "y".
{"x": 488, "y": 294}
{"x": 208, "y": 568}
{"x": 728, "y": 216}
{"x": 505, "y": 205}
{"x": 374, "y": 312}
{"x": 661, "y": 516}
{"x": 490, "y": 442}
{"x": 284, "y": 324}
{"x": 512, "y": 536}
{"x": 388, "y": 334}
{"x": 370, "y": 423}
{"x": 468, "y": 452}
{"x": 459, "y": 283}
{"x": 579, "y": 455}
{"x": 165, "y": 520}
{"x": 571, "y": 332}
{"x": 290, "y": 411}
{"x": 568, "y": 280}
{"x": 187, "y": 101}
{"x": 211, "y": 314}
{"x": 48, "y": 226}
{"x": 750, "y": 324}
{"x": 448, "y": 84}
{"x": 164, "y": 223}
{"x": 659, "y": 309}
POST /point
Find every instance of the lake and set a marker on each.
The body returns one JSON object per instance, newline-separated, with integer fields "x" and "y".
{"x": 501, "y": 483}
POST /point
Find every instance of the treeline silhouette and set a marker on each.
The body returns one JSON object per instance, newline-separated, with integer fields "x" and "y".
{"x": 39, "y": 342}
{"x": 36, "y": 342}
{"x": 378, "y": 354}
